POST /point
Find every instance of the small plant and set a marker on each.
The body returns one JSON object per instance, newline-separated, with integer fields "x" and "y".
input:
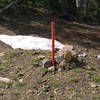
{"x": 13, "y": 76}
{"x": 53, "y": 84}
{"x": 95, "y": 98}
{"x": 3, "y": 69}
{"x": 93, "y": 66}
{"x": 0, "y": 63}
{"x": 35, "y": 60}
{"x": 74, "y": 79}
{"x": 44, "y": 69}
{"x": 29, "y": 52}
{"x": 4, "y": 65}
{"x": 40, "y": 53}
{"x": 4, "y": 84}
{"x": 79, "y": 70}
{"x": 73, "y": 74}
{"x": 97, "y": 79}
{"x": 15, "y": 92}
{"x": 5, "y": 62}
{"x": 89, "y": 72}
{"x": 13, "y": 54}
{"x": 48, "y": 54}
{"x": 71, "y": 89}
{"x": 19, "y": 84}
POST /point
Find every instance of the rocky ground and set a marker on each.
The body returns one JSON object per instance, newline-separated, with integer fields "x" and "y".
{"x": 79, "y": 83}
{"x": 28, "y": 81}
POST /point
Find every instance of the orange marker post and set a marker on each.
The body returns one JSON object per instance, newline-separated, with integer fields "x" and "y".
{"x": 53, "y": 42}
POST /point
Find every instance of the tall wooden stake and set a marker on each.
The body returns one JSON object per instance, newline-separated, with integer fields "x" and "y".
{"x": 53, "y": 42}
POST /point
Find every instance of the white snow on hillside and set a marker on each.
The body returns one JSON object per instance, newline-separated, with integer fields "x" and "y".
{"x": 29, "y": 42}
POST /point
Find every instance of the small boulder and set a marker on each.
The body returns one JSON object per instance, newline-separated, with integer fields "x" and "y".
{"x": 66, "y": 55}
{"x": 51, "y": 69}
{"x": 66, "y": 48}
{"x": 46, "y": 88}
{"x": 66, "y": 52}
{"x": 64, "y": 65}
{"x": 36, "y": 65}
{"x": 41, "y": 57}
{"x": 2, "y": 54}
{"x": 82, "y": 55}
{"x": 98, "y": 56}
{"x": 93, "y": 85}
{"x": 1, "y": 92}
{"x": 72, "y": 65}
{"x": 47, "y": 62}
{"x": 74, "y": 55}
{"x": 6, "y": 80}
{"x": 21, "y": 80}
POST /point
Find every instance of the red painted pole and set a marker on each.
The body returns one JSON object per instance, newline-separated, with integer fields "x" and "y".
{"x": 53, "y": 42}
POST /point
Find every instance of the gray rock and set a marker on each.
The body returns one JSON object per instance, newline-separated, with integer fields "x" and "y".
{"x": 1, "y": 93}
{"x": 93, "y": 85}
{"x": 33, "y": 86}
{"x": 65, "y": 52}
{"x": 41, "y": 57}
{"x": 64, "y": 65}
{"x": 72, "y": 65}
{"x": 47, "y": 63}
{"x": 82, "y": 55}
{"x": 66, "y": 48}
{"x": 93, "y": 92}
{"x": 74, "y": 55}
{"x": 60, "y": 69}
{"x": 46, "y": 88}
{"x": 98, "y": 56}
{"x": 30, "y": 91}
{"x": 51, "y": 69}
{"x": 36, "y": 65}
{"x": 56, "y": 91}
{"x": 21, "y": 80}
{"x": 6, "y": 80}
{"x": 2, "y": 54}
{"x": 88, "y": 76}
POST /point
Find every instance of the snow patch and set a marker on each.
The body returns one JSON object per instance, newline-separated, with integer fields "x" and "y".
{"x": 29, "y": 42}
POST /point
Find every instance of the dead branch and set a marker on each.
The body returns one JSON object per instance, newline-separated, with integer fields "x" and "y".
{"x": 9, "y": 5}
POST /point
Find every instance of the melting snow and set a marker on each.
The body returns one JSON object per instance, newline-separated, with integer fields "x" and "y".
{"x": 29, "y": 42}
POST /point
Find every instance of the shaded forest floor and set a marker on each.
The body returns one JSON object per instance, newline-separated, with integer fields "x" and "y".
{"x": 75, "y": 84}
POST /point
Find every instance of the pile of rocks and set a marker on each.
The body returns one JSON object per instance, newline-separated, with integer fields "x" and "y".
{"x": 65, "y": 59}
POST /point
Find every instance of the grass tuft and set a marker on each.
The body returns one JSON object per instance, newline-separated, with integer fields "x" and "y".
{"x": 13, "y": 54}
{"x": 35, "y": 60}
{"x": 19, "y": 84}
{"x": 79, "y": 70}
{"x": 74, "y": 79}
{"x": 97, "y": 79}
{"x": 4, "y": 84}
{"x": 53, "y": 84}
{"x": 95, "y": 98}
{"x": 29, "y": 52}
{"x": 15, "y": 92}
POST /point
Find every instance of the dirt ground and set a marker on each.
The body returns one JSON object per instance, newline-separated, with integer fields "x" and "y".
{"x": 75, "y": 84}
